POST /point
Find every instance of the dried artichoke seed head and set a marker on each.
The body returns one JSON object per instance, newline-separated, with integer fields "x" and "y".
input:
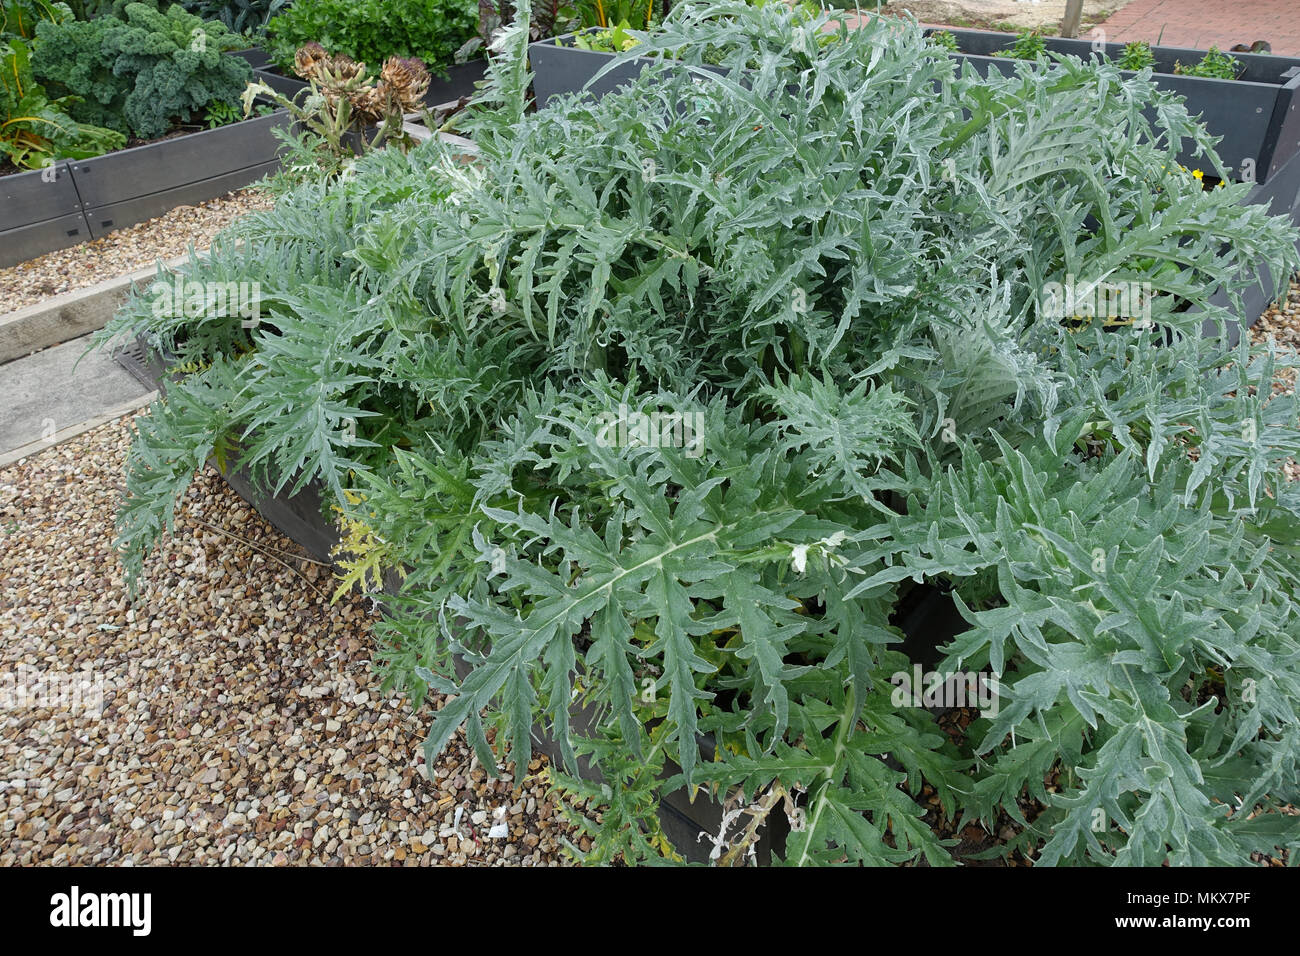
{"x": 307, "y": 59}
{"x": 346, "y": 70}
{"x": 367, "y": 103}
{"x": 407, "y": 80}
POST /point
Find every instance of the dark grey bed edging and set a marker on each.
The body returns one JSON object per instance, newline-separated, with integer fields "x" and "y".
{"x": 254, "y": 56}
{"x": 40, "y": 211}
{"x": 115, "y": 188}
{"x": 111, "y": 216}
{"x": 35, "y": 195}
{"x": 559, "y": 67}
{"x": 75, "y": 200}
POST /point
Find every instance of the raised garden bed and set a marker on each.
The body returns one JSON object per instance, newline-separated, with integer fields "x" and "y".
{"x": 75, "y": 200}
{"x": 1256, "y": 115}
{"x": 749, "y": 583}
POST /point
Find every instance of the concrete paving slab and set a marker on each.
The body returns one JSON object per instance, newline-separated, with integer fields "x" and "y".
{"x": 41, "y": 395}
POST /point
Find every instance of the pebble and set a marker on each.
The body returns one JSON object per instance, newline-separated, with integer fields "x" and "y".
{"x": 124, "y": 251}
{"x": 1281, "y": 323}
{"x": 209, "y": 749}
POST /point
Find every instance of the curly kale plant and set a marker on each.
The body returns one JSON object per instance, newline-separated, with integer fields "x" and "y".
{"x": 20, "y": 18}
{"x": 666, "y": 404}
{"x": 141, "y": 74}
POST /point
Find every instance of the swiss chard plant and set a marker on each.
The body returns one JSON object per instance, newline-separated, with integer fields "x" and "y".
{"x": 36, "y": 130}
{"x": 666, "y": 404}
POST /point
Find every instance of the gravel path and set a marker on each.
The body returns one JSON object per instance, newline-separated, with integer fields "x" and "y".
{"x": 1281, "y": 320}
{"x": 241, "y": 722}
{"x": 125, "y": 250}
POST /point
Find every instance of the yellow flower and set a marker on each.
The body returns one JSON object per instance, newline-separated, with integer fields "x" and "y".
{"x": 1198, "y": 174}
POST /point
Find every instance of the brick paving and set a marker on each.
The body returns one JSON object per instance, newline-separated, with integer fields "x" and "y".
{"x": 1202, "y": 23}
